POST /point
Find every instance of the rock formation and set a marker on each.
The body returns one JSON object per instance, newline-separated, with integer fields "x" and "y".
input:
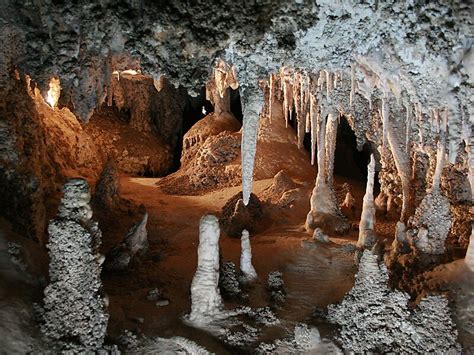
{"x": 469, "y": 259}
{"x": 368, "y": 312}
{"x": 432, "y": 216}
{"x": 367, "y": 237}
{"x": 107, "y": 190}
{"x": 325, "y": 212}
{"x": 276, "y": 286}
{"x": 348, "y": 205}
{"x": 304, "y": 340}
{"x": 236, "y": 216}
{"x": 319, "y": 235}
{"x": 134, "y": 244}
{"x": 246, "y": 267}
{"x": 206, "y": 301}
{"x": 75, "y": 313}
{"x": 223, "y": 79}
{"x": 228, "y": 280}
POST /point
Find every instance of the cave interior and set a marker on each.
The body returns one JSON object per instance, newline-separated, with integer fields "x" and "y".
{"x": 236, "y": 177}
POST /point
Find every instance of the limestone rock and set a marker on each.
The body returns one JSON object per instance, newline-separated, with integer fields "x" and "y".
{"x": 320, "y": 236}
{"x": 107, "y": 190}
{"x": 276, "y": 286}
{"x": 134, "y": 244}
{"x": 369, "y": 311}
{"x": 236, "y": 216}
{"x": 206, "y": 301}
{"x": 74, "y": 310}
{"x": 246, "y": 267}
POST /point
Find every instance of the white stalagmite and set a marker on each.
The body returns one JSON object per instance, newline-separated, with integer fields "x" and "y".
{"x": 367, "y": 237}
{"x": 206, "y": 301}
{"x": 253, "y": 102}
{"x": 325, "y": 212}
{"x": 246, "y": 266}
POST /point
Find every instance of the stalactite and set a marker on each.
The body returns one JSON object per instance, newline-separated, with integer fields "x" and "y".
{"x": 331, "y": 135}
{"x": 367, "y": 237}
{"x": 325, "y": 212}
{"x": 351, "y": 97}
{"x": 314, "y": 126}
{"x": 252, "y": 104}
{"x": 271, "y": 97}
{"x": 408, "y": 129}
{"x": 441, "y": 151}
{"x": 402, "y": 162}
{"x": 384, "y": 113}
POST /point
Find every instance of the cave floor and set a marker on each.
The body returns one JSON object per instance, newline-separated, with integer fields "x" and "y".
{"x": 315, "y": 274}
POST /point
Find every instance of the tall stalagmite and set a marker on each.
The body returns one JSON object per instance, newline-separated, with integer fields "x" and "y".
{"x": 325, "y": 212}
{"x": 367, "y": 237}
{"x": 74, "y": 311}
{"x": 206, "y": 301}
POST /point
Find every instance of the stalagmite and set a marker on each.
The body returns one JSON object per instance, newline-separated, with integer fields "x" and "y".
{"x": 367, "y": 237}
{"x": 325, "y": 212}
{"x": 206, "y": 301}
{"x": 348, "y": 205}
{"x": 252, "y": 105}
{"x": 249, "y": 273}
{"x": 433, "y": 217}
{"x": 75, "y": 313}
{"x": 107, "y": 190}
{"x": 134, "y": 243}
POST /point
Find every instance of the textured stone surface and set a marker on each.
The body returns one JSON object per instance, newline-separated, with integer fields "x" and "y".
{"x": 206, "y": 300}
{"x": 135, "y": 244}
{"x": 74, "y": 310}
{"x": 374, "y": 318}
{"x": 236, "y": 216}
{"x": 107, "y": 190}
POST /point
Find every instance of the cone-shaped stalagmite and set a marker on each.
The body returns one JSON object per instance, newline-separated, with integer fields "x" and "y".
{"x": 367, "y": 237}
{"x": 248, "y": 271}
{"x": 325, "y": 212}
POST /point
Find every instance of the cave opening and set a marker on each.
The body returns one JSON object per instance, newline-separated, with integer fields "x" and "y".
{"x": 349, "y": 161}
{"x": 196, "y": 108}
